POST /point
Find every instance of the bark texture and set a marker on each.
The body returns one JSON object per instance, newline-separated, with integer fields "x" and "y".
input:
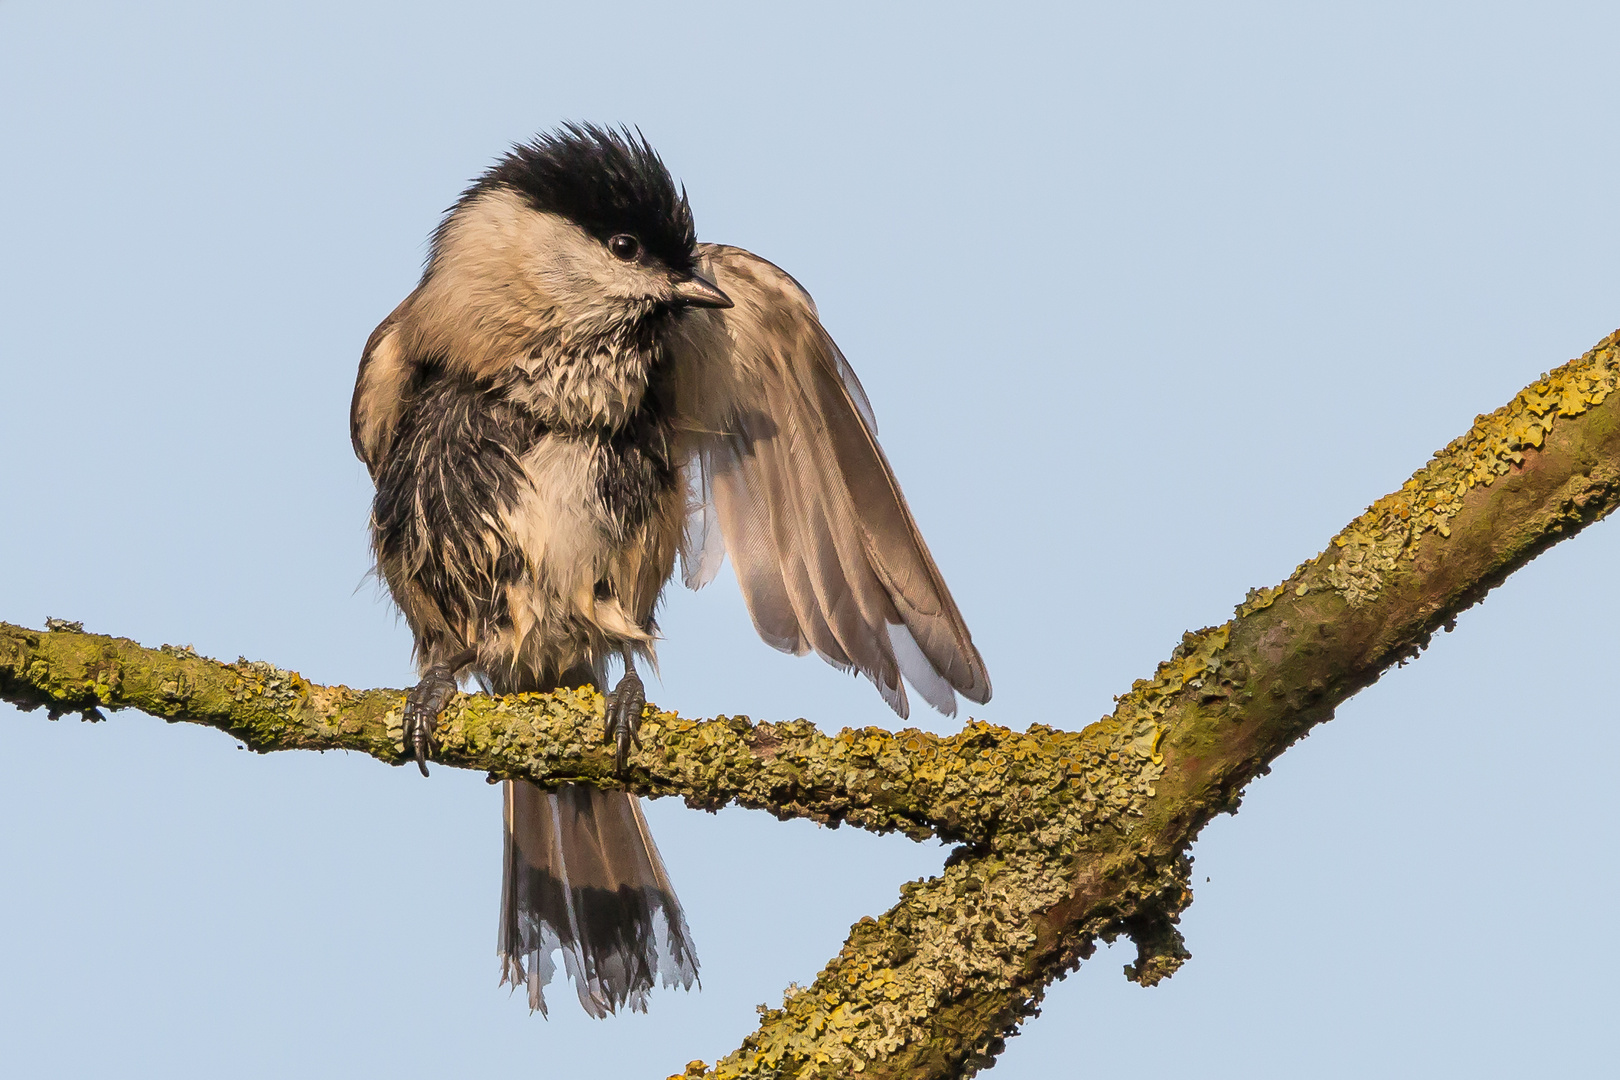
{"x": 1066, "y": 836}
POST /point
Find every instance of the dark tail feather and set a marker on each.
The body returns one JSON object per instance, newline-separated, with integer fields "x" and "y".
{"x": 583, "y": 875}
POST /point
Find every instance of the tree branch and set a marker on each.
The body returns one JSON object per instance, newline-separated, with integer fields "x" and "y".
{"x": 1067, "y": 837}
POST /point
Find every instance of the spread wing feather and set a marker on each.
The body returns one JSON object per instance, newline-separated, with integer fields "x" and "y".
{"x": 785, "y": 466}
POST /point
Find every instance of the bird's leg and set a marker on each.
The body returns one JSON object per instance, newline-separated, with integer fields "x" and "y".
{"x": 622, "y": 721}
{"x": 427, "y": 700}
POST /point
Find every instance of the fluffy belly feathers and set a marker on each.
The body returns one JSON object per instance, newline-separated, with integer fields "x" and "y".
{"x": 594, "y": 569}
{"x": 545, "y": 549}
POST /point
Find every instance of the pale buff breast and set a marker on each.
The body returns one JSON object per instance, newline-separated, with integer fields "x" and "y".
{"x": 586, "y": 590}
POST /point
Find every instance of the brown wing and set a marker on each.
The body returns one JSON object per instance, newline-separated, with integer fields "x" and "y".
{"x": 786, "y": 472}
{"x": 380, "y": 386}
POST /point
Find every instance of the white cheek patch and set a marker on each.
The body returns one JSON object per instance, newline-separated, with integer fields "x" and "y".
{"x": 581, "y": 273}
{"x": 509, "y": 285}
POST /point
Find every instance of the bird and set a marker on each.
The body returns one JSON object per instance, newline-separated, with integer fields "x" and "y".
{"x": 577, "y": 393}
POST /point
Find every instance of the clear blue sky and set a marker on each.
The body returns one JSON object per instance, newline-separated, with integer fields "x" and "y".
{"x": 1149, "y": 299}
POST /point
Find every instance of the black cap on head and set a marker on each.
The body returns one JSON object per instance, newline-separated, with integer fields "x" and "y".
{"x": 607, "y": 182}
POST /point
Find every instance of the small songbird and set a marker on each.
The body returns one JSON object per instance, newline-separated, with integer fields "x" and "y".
{"x": 576, "y": 392}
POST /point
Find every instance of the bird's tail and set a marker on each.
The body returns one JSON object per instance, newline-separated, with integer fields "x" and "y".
{"x": 583, "y": 876}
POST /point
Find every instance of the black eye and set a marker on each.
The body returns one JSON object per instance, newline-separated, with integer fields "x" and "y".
{"x": 624, "y": 246}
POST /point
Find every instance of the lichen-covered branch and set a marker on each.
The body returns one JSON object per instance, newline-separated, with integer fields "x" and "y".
{"x": 911, "y": 781}
{"x": 1067, "y": 837}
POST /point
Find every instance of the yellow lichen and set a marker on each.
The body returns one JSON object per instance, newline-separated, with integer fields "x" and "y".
{"x": 1067, "y": 837}
{"x": 1373, "y": 545}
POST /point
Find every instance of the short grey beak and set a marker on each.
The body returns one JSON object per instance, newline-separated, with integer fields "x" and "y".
{"x": 694, "y": 291}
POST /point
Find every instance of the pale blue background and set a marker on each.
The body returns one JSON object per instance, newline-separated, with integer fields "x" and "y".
{"x": 1150, "y": 299}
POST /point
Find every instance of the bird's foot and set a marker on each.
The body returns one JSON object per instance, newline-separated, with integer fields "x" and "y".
{"x": 422, "y": 708}
{"x": 622, "y": 722}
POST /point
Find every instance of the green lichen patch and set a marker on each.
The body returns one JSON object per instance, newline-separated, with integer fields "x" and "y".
{"x": 1066, "y": 837}
{"x": 1372, "y": 545}
{"x": 976, "y": 940}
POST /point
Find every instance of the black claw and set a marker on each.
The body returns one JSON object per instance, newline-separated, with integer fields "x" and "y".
{"x": 422, "y": 708}
{"x": 622, "y": 723}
